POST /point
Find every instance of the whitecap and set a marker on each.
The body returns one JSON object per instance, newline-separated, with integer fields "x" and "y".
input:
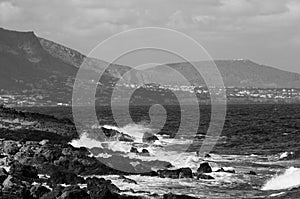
{"x": 289, "y": 179}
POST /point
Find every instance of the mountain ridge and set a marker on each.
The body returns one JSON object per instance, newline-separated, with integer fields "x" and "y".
{"x": 32, "y": 65}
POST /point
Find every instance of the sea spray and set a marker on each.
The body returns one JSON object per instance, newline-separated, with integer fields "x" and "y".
{"x": 85, "y": 141}
{"x": 289, "y": 179}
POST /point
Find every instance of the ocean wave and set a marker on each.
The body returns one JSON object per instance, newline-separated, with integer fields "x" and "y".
{"x": 288, "y": 180}
{"x": 85, "y": 141}
{"x": 135, "y": 130}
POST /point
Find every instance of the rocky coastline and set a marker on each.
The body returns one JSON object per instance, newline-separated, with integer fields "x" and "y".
{"x": 37, "y": 161}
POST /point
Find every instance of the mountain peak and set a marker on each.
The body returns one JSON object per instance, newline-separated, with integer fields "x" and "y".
{"x": 21, "y": 43}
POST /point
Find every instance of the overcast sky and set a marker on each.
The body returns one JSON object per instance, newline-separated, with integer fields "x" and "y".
{"x": 266, "y": 31}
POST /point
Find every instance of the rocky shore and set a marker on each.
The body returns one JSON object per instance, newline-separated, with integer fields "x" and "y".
{"x": 36, "y": 161}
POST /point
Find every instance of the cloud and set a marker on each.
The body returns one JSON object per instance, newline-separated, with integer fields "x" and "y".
{"x": 245, "y": 24}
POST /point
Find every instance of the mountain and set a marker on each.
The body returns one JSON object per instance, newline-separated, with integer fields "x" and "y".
{"x": 27, "y": 68}
{"x": 235, "y": 73}
{"x": 36, "y": 66}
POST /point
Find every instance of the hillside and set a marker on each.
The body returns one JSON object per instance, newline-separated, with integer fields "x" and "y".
{"x": 235, "y": 73}
{"x": 33, "y": 66}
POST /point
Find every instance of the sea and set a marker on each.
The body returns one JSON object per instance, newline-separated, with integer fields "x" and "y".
{"x": 261, "y": 138}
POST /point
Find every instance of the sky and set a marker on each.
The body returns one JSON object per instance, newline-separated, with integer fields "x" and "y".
{"x": 265, "y": 31}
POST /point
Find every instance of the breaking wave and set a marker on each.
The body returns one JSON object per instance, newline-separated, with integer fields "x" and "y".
{"x": 289, "y": 179}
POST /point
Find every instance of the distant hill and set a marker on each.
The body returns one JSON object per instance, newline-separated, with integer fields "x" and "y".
{"x": 235, "y": 73}
{"x": 33, "y": 65}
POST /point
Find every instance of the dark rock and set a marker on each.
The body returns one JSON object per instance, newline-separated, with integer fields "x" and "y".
{"x": 151, "y": 173}
{"x": 37, "y": 191}
{"x": 252, "y": 173}
{"x": 15, "y": 188}
{"x": 205, "y": 177}
{"x": 220, "y": 170}
{"x": 207, "y": 156}
{"x": 127, "y": 180}
{"x": 10, "y": 147}
{"x": 54, "y": 194}
{"x": 145, "y": 152}
{"x": 225, "y": 171}
{"x": 174, "y": 196}
{"x": 175, "y": 174}
{"x": 21, "y": 171}
{"x": 149, "y": 137}
{"x": 204, "y": 168}
{"x": 101, "y": 188}
{"x": 3, "y": 175}
{"x": 111, "y": 133}
{"x": 74, "y": 192}
{"x": 49, "y": 152}
{"x": 134, "y": 150}
{"x": 65, "y": 177}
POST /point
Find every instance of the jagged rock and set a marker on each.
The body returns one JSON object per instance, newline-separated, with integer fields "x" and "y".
{"x": 49, "y": 152}
{"x": 145, "y": 152}
{"x": 252, "y": 173}
{"x": 226, "y": 171}
{"x": 15, "y": 188}
{"x": 174, "y": 196}
{"x": 54, "y": 194}
{"x": 111, "y": 133}
{"x": 101, "y": 188}
{"x": 134, "y": 150}
{"x": 21, "y": 171}
{"x": 149, "y": 137}
{"x": 207, "y": 156}
{"x": 204, "y": 168}
{"x": 3, "y": 175}
{"x": 205, "y": 177}
{"x": 175, "y": 174}
{"x": 65, "y": 177}
{"x": 74, "y": 192}
{"x": 10, "y": 147}
{"x": 37, "y": 191}
{"x": 127, "y": 180}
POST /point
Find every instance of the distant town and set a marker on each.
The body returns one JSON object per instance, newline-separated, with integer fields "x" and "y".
{"x": 233, "y": 94}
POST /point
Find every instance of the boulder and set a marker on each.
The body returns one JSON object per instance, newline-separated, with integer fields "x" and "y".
{"x": 111, "y": 133}
{"x": 100, "y": 188}
{"x": 37, "y": 191}
{"x": 204, "y": 168}
{"x": 252, "y": 173}
{"x": 176, "y": 174}
{"x": 3, "y": 175}
{"x": 204, "y": 177}
{"x": 226, "y": 170}
{"x": 134, "y": 150}
{"x": 149, "y": 137}
{"x": 74, "y": 192}
{"x": 10, "y": 147}
{"x": 127, "y": 180}
{"x": 15, "y": 188}
{"x": 65, "y": 177}
{"x": 54, "y": 194}
{"x": 145, "y": 152}
{"x": 49, "y": 152}
{"x": 21, "y": 171}
{"x": 207, "y": 156}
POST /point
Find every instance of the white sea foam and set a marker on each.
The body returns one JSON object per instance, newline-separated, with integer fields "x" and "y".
{"x": 289, "y": 179}
{"x": 135, "y": 130}
{"x": 85, "y": 141}
{"x": 157, "y": 149}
